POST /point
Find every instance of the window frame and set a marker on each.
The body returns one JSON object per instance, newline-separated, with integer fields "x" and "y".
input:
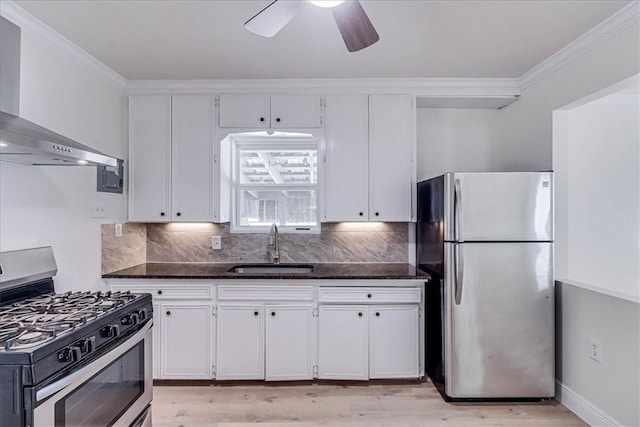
{"x": 273, "y": 142}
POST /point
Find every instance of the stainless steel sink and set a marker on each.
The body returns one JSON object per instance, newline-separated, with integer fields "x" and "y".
{"x": 271, "y": 269}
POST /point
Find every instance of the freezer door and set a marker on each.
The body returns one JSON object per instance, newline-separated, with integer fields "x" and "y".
{"x": 499, "y": 320}
{"x": 504, "y": 206}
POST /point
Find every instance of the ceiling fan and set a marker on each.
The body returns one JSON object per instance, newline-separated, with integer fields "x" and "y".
{"x": 352, "y": 21}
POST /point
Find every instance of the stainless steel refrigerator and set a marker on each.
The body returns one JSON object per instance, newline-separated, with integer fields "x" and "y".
{"x": 487, "y": 238}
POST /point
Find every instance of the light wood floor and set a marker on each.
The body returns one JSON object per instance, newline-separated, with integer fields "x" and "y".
{"x": 337, "y": 405}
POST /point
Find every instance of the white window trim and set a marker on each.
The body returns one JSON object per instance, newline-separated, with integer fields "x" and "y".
{"x": 286, "y": 141}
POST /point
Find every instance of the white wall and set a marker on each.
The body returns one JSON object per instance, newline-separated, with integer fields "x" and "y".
{"x": 53, "y": 205}
{"x": 597, "y": 161}
{"x": 456, "y": 140}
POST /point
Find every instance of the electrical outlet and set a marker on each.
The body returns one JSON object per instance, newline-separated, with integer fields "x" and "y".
{"x": 216, "y": 242}
{"x": 595, "y": 350}
{"x": 118, "y": 230}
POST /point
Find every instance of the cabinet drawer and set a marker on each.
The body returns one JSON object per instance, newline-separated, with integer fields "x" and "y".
{"x": 368, "y": 295}
{"x": 265, "y": 293}
{"x": 160, "y": 291}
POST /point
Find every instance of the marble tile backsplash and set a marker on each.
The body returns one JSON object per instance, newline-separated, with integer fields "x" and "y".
{"x": 340, "y": 242}
{"x": 178, "y": 242}
{"x": 125, "y": 251}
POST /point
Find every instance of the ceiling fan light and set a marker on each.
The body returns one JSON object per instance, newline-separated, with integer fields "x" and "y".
{"x": 327, "y": 3}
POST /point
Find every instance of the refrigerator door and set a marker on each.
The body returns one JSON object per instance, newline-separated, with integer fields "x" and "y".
{"x": 499, "y": 320}
{"x": 503, "y": 206}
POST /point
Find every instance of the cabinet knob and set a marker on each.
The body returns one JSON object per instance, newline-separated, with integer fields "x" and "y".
{"x": 377, "y": 314}
{"x": 368, "y": 295}
{"x": 360, "y": 314}
{"x": 255, "y": 313}
{"x": 377, "y": 213}
{"x": 278, "y": 119}
{"x": 361, "y": 213}
{"x": 273, "y": 313}
{"x": 168, "y": 313}
{"x": 161, "y": 213}
{"x": 159, "y": 292}
{"x": 178, "y": 214}
{"x": 262, "y": 119}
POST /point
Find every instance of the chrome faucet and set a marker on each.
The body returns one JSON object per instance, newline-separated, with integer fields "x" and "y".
{"x": 274, "y": 245}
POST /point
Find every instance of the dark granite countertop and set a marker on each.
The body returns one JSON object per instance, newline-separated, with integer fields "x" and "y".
{"x": 371, "y": 271}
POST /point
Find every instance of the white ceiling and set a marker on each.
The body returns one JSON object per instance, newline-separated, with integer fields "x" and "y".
{"x": 183, "y": 39}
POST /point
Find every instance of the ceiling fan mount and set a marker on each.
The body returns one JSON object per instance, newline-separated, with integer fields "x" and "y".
{"x": 353, "y": 23}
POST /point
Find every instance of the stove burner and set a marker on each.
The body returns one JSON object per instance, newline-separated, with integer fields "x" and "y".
{"x": 31, "y": 322}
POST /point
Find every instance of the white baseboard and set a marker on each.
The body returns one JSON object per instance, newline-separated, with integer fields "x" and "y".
{"x": 587, "y": 411}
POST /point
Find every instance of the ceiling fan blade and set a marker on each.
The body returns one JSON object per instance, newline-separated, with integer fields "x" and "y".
{"x": 354, "y": 25}
{"x": 273, "y": 18}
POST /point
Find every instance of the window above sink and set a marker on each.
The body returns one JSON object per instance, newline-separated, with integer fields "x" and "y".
{"x": 274, "y": 180}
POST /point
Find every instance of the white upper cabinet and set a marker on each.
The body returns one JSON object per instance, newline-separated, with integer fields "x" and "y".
{"x": 244, "y": 111}
{"x": 171, "y": 155}
{"x": 370, "y": 173}
{"x": 258, "y": 111}
{"x": 296, "y": 111}
{"x": 191, "y": 158}
{"x": 149, "y": 157}
{"x": 391, "y": 167}
{"x": 347, "y": 158}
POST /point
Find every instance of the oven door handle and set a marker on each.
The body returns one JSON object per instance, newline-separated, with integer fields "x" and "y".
{"x": 94, "y": 367}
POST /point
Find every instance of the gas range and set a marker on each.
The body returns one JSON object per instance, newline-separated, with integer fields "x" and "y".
{"x": 70, "y": 359}
{"x": 34, "y": 322}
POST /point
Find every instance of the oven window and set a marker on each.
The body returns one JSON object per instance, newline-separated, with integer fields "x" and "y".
{"x": 106, "y": 396}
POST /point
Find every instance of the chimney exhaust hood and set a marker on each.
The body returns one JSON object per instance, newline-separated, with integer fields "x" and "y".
{"x": 22, "y": 141}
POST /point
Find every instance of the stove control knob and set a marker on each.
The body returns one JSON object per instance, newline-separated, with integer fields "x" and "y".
{"x": 135, "y": 318}
{"x": 130, "y": 319}
{"x": 142, "y": 313}
{"x": 70, "y": 354}
{"x": 88, "y": 345}
{"x": 111, "y": 331}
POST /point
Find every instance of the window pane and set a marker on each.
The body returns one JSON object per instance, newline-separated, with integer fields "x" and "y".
{"x": 259, "y": 208}
{"x": 278, "y": 166}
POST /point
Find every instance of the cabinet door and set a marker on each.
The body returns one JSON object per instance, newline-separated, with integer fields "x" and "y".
{"x": 157, "y": 327}
{"x": 391, "y": 142}
{"x": 288, "y": 343}
{"x": 394, "y": 341}
{"x": 244, "y": 111}
{"x": 343, "y": 342}
{"x": 192, "y": 158}
{"x": 186, "y": 341}
{"x": 240, "y": 346}
{"x": 296, "y": 111}
{"x": 347, "y": 158}
{"x": 149, "y": 158}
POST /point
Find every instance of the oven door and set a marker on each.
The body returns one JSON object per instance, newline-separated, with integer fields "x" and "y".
{"x": 112, "y": 390}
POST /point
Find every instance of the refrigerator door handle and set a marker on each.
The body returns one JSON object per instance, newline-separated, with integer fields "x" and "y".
{"x": 457, "y": 208}
{"x": 459, "y": 272}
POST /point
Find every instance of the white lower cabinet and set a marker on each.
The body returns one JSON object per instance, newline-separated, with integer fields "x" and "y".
{"x": 272, "y": 342}
{"x": 288, "y": 350}
{"x": 343, "y": 342}
{"x": 368, "y": 342}
{"x": 394, "y": 341}
{"x": 185, "y": 339}
{"x": 280, "y": 332}
{"x": 240, "y": 347}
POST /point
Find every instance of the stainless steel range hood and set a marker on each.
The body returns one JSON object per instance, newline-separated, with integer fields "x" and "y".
{"x": 22, "y": 141}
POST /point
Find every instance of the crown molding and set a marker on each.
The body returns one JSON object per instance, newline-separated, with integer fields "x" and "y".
{"x": 421, "y": 87}
{"x": 619, "y": 21}
{"x": 41, "y": 31}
